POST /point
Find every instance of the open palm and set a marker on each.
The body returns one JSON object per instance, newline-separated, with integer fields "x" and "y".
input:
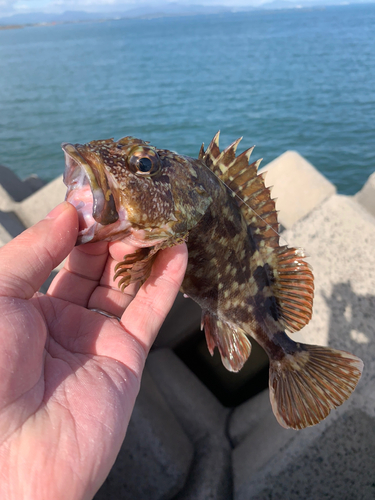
{"x": 69, "y": 376}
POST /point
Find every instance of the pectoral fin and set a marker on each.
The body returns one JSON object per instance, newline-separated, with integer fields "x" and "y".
{"x": 135, "y": 267}
{"x": 232, "y": 342}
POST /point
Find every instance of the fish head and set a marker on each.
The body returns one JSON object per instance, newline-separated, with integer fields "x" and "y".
{"x": 129, "y": 189}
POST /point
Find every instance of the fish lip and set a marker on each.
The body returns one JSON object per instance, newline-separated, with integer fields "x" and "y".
{"x": 106, "y": 222}
{"x": 104, "y": 207}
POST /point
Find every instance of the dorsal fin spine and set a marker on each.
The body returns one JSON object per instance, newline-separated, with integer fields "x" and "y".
{"x": 214, "y": 144}
{"x": 232, "y": 148}
{"x": 247, "y": 153}
{"x": 292, "y": 279}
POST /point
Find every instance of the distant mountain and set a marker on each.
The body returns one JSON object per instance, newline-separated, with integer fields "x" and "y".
{"x": 306, "y": 4}
{"x": 42, "y": 17}
{"x": 160, "y": 10}
{"x": 174, "y": 8}
{"x": 280, "y": 4}
{"x": 143, "y": 10}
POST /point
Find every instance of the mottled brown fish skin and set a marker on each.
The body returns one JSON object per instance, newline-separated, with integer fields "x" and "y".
{"x": 227, "y": 276}
{"x": 244, "y": 281}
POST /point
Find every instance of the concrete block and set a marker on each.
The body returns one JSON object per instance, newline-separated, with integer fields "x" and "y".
{"x": 334, "y": 460}
{"x": 366, "y": 196}
{"x": 6, "y": 201}
{"x": 298, "y": 186}
{"x": 182, "y": 321}
{"x": 247, "y": 416}
{"x": 10, "y": 227}
{"x": 156, "y": 455}
{"x": 34, "y": 182}
{"x": 339, "y": 238}
{"x": 5, "y": 237}
{"x": 18, "y": 190}
{"x": 204, "y": 421}
{"x": 265, "y": 441}
{"x": 37, "y": 206}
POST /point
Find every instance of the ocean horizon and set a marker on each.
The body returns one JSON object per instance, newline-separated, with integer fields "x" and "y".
{"x": 300, "y": 79}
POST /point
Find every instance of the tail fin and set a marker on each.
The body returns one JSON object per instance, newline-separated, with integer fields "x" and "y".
{"x": 307, "y": 385}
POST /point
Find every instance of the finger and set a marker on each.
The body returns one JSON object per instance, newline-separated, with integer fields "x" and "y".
{"x": 145, "y": 315}
{"x": 118, "y": 249}
{"x": 108, "y": 297}
{"x": 27, "y": 261}
{"x": 86, "y": 267}
{"x": 81, "y": 273}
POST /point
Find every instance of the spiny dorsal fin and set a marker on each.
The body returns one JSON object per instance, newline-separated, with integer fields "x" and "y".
{"x": 292, "y": 281}
{"x": 212, "y": 153}
{"x": 220, "y": 162}
{"x": 254, "y": 199}
{"x": 201, "y": 152}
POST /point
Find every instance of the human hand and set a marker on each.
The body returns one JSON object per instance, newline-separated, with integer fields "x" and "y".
{"x": 68, "y": 375}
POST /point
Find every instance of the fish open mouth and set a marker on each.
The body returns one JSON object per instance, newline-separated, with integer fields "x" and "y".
{"x": 89, "y": 191}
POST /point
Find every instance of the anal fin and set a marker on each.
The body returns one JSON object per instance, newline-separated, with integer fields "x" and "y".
{"x": 232, "y": 342}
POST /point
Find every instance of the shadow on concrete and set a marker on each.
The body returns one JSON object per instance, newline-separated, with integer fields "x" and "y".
{"x": 46, "y": 284}
{"x": 15, "y": 187}
{"x": 231, "y": 389}
{"x": 11, "y": 223}
{"x": 351, "y": 325}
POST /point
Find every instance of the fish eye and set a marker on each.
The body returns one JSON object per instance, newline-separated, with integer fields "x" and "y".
{"x": 144, "y": 161}
{"x": 145, "y": 164}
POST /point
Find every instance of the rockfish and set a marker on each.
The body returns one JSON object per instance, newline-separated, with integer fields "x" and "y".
{"x": 246, "y": 283}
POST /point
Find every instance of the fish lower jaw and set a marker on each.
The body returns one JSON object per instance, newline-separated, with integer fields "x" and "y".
{"x": 89, "y": 230}
{"x": 98, "y": 232}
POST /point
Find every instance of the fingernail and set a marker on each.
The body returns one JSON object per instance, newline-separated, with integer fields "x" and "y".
{"x": 57, "y": 210}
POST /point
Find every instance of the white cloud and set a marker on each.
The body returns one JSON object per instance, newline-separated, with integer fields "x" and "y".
{"x": 6, "y": 4}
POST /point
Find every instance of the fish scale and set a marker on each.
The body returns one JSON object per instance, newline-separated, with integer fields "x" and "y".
{"x": 245, "y": 282}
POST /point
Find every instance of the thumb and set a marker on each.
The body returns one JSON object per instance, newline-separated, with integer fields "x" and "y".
{"x": 27, "y": 261}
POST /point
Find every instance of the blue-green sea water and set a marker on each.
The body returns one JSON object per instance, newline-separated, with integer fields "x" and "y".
{"x": 292, "y": 79}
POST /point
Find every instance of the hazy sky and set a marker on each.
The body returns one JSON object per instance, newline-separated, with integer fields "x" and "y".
{"x": 17, "y": 6}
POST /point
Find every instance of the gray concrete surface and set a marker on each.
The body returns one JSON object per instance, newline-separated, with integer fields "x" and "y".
{"x": 17, "y": 189}
{"x": 156, "y": 456}
{"x": 34, "y": 183}
{"x": 297, "y": 186}
{"x": 366, "y": 196}
{"x": 334, "y": 460}
{"x": 7, "y": 203}
{"x": 39, "y": 204}
{"x": 339, "y": 237}
{"x": 204, "y": 421}
{"x": 10, "y": 227}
